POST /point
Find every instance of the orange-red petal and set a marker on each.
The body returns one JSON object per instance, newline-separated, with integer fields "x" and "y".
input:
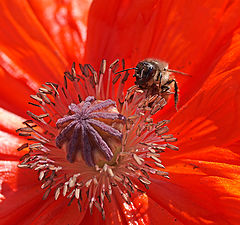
{"x": 189, "y": 206}
{"x": 211, "y": 117}
{"x": 66, "y": 24}
{"x": 26, "y": 44}
{"x": 191, "y": 39}
{"x": 159, "y": 215}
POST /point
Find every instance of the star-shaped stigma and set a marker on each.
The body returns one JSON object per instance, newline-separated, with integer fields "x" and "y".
{"x": 83, "y": 129}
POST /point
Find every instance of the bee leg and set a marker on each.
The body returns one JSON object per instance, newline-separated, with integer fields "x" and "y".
{"x": 176, "y": 94}
{"x": 175, "y": 90}
{"x": 159, "y": 78}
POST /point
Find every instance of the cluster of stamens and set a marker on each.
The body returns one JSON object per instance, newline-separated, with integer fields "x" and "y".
{"x": 88, "y": 149}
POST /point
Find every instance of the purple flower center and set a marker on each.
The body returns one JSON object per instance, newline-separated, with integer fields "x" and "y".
{"x": 84, "y": 131}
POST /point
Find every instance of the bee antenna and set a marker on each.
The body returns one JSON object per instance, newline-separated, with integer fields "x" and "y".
{"x": 126, "y": 70}
{"x": 175, "y": 71}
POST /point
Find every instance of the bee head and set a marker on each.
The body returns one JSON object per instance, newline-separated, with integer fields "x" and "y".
{"x": 144, "y": 72}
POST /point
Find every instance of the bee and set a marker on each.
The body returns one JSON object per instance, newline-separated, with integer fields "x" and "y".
{"x": 154, "y": 76}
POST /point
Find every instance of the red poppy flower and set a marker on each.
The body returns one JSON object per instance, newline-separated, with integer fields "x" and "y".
{"x": 39, "y": 41}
